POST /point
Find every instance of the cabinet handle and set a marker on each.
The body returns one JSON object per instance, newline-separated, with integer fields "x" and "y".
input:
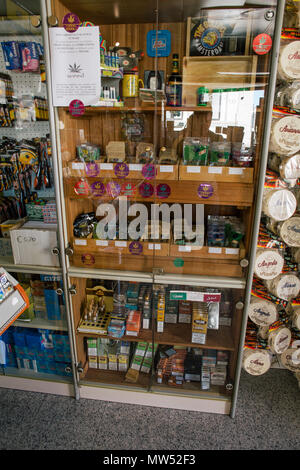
{"x": 239, "y": 305}
{"x": 35, "y": 21}
{"x": 59, "y": 291}
{"x": 79, "y": 368}
{"x": 68, "y": 369}
{"x": 73, "y": 290}
{"x": 52, "y": 20}
{"x": 55, "y": 251}
{"x": 69, "y": 250}
{"x": 244, "y": 263}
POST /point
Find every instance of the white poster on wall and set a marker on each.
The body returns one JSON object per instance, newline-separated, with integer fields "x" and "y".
{"x": 75, "y": 65}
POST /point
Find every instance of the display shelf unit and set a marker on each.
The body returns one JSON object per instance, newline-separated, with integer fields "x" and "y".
{"x": 233, "y": 193}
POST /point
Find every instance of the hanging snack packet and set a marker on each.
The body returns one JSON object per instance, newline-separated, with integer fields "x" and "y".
{"x": 11, "y": 55}
{"x": 30, "y": 56}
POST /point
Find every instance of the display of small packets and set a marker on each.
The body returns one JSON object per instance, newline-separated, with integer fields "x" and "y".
{"x": 20, "y": 56}
{"x": 88, "y": 152}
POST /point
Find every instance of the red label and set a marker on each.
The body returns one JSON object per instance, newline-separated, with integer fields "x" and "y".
{"x": 262, "y": 44}
{"x": 76, "y": 108}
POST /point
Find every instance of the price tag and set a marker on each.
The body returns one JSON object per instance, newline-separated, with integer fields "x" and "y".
{"x": 215, "y": 169}
{"x": 235, "y": 171}
{"x": 81, "y": 242}
{"x": 106, "y": 166}
{"x": 154, "y": 246}
{"x": 135, "y": 167}
{"x": 166, "y": 168}
{"x": 186, "y": 248}
{"x": 77, "y": 166}
{"x": 193, "y": 169}
{"x": 232, "y": 251}
{"x": 121, "y": 244}
{"x": 215, "y": 250}
{"x": 102, "y": 242}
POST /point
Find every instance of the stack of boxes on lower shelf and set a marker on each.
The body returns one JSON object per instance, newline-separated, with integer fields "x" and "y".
{"x": 108, "y": 354}
{"x": 43, "y": 351}
{"x": 180, "y": 365}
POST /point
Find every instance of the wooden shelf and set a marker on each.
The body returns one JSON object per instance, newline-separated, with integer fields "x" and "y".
{"x": 179, "y": 334}
{"x": 220, "y": 193}
{"x": 169, "y": 265}
{"x": 149, "y": 108}
{"x": 111, "y": 377}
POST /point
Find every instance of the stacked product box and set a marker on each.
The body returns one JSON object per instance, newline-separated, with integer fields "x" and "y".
{"x": 38, "y": 350}
{"x": 142, "y": 357}
{"x": 133, "y": 323}
{"x": 107, "y": 354}
{"x": 180, "y": 365}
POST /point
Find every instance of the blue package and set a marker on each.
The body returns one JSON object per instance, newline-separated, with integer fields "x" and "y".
{"x": 33, "y": 339}
{"x": 19, "y": 337}
{"x": 160, "y": 45}
{"x": 12, "y": 55}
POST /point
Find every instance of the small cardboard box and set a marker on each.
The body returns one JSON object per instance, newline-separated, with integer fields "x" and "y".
{"x": 33, "y": 244}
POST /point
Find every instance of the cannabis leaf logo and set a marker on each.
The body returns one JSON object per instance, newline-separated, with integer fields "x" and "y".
{"x": 75, "y": 68}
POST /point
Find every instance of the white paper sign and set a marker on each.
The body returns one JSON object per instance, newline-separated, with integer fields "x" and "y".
{"x": 74, "y": 70}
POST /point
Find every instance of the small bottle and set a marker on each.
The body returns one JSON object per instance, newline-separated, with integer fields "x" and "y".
{"x": 202, "y": 96}
{"x": 174, "y": 86}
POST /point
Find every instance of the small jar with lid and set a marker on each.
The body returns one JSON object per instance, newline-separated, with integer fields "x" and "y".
{"x": 202, "y": 96}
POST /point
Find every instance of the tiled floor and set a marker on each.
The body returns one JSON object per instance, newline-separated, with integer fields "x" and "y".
{"x": 267, "y": 417}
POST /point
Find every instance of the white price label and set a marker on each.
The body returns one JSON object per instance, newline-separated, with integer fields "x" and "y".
{"x": 193, "y": 169}
{"x": 102, "y": 242}
{"x": 215, "y": 169}
{"x": 215, "y": 250}
{"x": 81, "y": 242}
{"x": 106, "y": 166}
{"x": 235, "y": 171}
{"x": 166, "y": 168}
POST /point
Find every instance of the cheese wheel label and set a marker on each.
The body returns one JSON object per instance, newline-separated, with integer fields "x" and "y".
{"x": 279, "y": 340}
{"x": 289, "y": 60}
{"x": 268, "y": 264}
{"x": 290, "y": 168}
{"x": 256, "y": 362}
{"x": 290, "y": 359}
{"x": 279, "y": 204}
{"x": 262, "y": 312}
{"x": 285, "y": 135}
{"x": 286, "y": 287}
{"x": 290, "y": 231}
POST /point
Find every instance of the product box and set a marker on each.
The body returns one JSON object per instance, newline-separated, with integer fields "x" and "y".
{"x": 199, "y": 326}
{"x": 160, "y": 316}
{"x": 133, "y": 323}
{"x": 205, "y": 378}
{"x": 123, "y": 362}
{"x": 141, "y": 348}
{"x": 184, "y": 311}
{"x": 137, "y": 363}
{"x": 35, "y": 241}
{"x": 125, "y": 347}
{"x": 92, "y": 349}
{"x": 113, "y": 362}
{"x": 209, "y": 357}
{"x": 102, "y": 362}
{"x": 93, "y": 362}
{"x": 52, "y": 304}
{"x": 146, "y": 366}
{"x": 222, "y": 358}
{"x": 218, "y": 375}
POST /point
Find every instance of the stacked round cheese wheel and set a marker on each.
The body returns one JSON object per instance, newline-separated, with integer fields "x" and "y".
{"x": 268, "y": 263}
{"x": 279, "y": 204}
{"x": 262, "y": 312}
{"x": 256, "y": 361}
{"x": 276, "y": 313}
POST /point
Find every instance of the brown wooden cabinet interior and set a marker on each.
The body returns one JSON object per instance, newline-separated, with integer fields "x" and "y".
{"x": 225, "y": 339}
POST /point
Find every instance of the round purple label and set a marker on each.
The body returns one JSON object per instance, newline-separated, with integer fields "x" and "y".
{"x": 92, "y": 169}
{"x": 71, "y": 22}
{"x": 148, "y": 171}
{"x": 88, "y": 259}
{"x": 98, "y": 188}
{"x": 205, "y": 190}
{"x": 76, "y": 108}
{"x": 121, "y": 170}
{"x": 146, "y": 190}
{"x": 113, "y": 189}
{"x": 135, "y": 248}
{"x": 163, "y": 191}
